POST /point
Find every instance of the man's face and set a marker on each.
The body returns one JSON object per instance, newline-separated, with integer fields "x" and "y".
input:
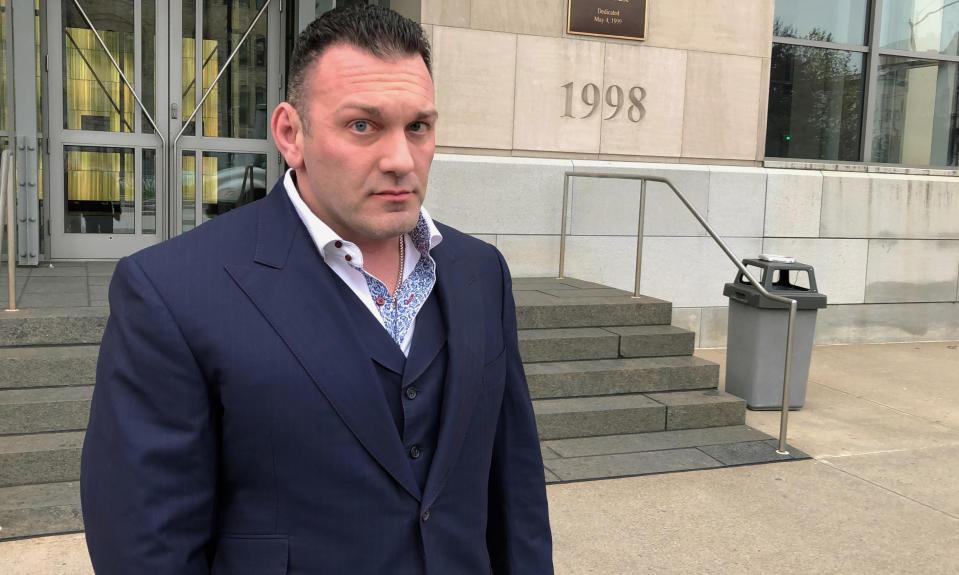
{"x": 367, "y": 154}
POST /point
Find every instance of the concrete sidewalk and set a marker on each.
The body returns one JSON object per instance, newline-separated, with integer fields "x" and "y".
{"x": 882, "y": 422}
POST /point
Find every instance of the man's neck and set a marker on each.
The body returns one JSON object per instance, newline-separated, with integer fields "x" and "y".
{"x": 381, "y": 259}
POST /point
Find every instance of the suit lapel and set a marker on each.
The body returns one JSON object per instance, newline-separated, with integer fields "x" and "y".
{"x": 292, "y": 287}
{"x": 453, "y": 284}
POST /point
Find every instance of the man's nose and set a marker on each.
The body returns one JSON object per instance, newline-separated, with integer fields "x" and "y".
{"x": 397, "y": 156}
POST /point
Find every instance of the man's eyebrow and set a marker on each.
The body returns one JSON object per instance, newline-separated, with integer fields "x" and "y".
{"x": 375, "y": 113}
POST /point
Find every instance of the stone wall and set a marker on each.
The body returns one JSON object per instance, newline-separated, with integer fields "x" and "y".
{"x": 507, "y": 74}
{"x": 885, "y": 246}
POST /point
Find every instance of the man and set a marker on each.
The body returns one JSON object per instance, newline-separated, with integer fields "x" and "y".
{"x": 324, "y": 381}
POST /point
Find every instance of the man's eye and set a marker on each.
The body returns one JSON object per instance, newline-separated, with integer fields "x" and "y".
{"x": 418, "y": 127}
{"x": 361, "y": 126}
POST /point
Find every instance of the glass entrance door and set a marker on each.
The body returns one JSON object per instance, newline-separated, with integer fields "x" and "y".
{"x": 158, "y": 116}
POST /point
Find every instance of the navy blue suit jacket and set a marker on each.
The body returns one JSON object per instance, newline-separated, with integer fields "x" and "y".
{"x": 237, "y": 426}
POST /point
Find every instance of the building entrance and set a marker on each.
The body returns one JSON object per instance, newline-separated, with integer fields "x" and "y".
{"x": 158, "y": 117}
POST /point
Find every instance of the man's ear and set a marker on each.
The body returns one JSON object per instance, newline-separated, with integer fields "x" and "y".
{"x": 288, "y": 134}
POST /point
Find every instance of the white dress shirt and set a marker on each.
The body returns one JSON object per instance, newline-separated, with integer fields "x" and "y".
{"x": 342, "y": 255}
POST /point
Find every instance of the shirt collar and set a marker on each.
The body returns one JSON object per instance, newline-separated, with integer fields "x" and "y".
{"x": 425, "y": 235}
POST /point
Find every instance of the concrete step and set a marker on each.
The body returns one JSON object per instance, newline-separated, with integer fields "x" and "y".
{"x": 537, "y": 345}
{"x": 40, "y": 458}
{"x": 44, "y": 409}
{"x": 654, "y": 340}
{"x": 617, "y": 376}
{"x": 543, "y": 303}
{"x": 24, "y": 367}
{"x": 53, "y": 326}
{"x": 638, "y": 413}
{"x": 46, "y": 509}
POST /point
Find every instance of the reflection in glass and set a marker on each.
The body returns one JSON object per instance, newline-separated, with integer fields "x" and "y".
{"x": 231, "y": 180}
{"x": 840, "y": 21}
{"x": 188, "y": 201}
{"x": 99, "y": 186}
{"x": 917, "y": 113}
{"x": 3, "y": 64}
{"x": 95, "y": 97}
{"x": 188, "y": 64}
{"x": 237, "y": 106}
{"x": 148, "y": 59}
{"x": 149, "y": 203}
{"x": 815, "y": 103}
{"x": 921, "y": 26}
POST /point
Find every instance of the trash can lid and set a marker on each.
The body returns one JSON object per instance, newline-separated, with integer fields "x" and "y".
{"x": 749, "y": 294}
{"x": 773, "y": 281}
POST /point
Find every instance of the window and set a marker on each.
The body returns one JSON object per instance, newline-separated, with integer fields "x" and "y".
{"x": 853, "y": 80}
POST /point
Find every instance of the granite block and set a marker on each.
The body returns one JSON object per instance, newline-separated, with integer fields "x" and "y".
{"x": 31, "y": 510}
{"x": 567, "y": 344}
{"x": 615, "y": 376}
{"x": 40, "y": 458}
{"x": 44, "y": 367}
{"x": 750, "y": 452}
{"x": 581, "y": 417}
{"x": 654, "y": 340}
{"x": 53, "y": 326}
{"x": 698, "y": 409}
{"x": 657, "y": 441}
{"x": 44, "y": 409}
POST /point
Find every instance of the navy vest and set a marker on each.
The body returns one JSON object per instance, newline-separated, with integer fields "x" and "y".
{"x": 412, "y": 386}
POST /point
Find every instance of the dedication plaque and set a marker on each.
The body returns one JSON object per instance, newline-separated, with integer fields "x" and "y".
{"x": 609, "y": 18}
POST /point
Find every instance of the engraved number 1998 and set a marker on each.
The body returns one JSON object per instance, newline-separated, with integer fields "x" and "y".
{"x": 615, "y": 99}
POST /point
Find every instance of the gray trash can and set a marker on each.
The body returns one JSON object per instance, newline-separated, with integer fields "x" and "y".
{"x": 756, "y": 337}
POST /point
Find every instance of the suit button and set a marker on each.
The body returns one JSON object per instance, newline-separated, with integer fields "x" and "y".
{"x": 411, "y": 393}
{"x": 425, "y": 516}
{"x": 415, "y": 452}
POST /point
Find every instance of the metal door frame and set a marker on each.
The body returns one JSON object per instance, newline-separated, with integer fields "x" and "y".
{"x": 169, "y": 56}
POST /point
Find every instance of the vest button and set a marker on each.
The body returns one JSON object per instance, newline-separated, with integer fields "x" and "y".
{"x": 415, "y": 452}
{"x": 411, "y": 393}
{"x": 380, "y": 300}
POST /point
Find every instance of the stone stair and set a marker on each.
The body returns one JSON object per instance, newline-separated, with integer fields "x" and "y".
{"x": 601, "y": 366}
{"x": 599, "y": 362}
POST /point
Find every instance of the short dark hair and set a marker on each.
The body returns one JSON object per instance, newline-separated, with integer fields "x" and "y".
{"x": 375, "y": 29}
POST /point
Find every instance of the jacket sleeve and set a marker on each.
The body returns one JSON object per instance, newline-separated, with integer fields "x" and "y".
{"x": 518, "y": 536}
{"x": 148, "y": 470}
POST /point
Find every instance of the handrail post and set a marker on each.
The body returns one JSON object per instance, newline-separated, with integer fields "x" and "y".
{"x": 562, "y": 234}
{"x": 7, "y": 197}
{"x": 639, "y": 237}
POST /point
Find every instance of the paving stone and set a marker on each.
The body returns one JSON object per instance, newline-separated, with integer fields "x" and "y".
{"x": 40, "y": 458}
{"x": 44, "y": 409}
{"x": 750, "y": 452}
{"x": 39, "y": 284}
{"x": 550, "y": 476}
{"x": 45, "y": 300}
{"x": 53, "y": 326}
{"x": 537, "y": 345}
{"x": 632, "y": 443}
{"x": 592, "y": 292}
{"x": 30, "y": 510}
{"x": 613, "y": 376}
{"x": 629, "y": 464}
{"x": 48, "y": 366}
{"x": 698, "y": 409}
{"x": 654, "y": 340}
{"x": 588, "y": 416}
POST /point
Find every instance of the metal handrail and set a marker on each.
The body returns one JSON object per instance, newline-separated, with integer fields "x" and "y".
{"x": 8, "y": 199}
{"x": 787, "y": 376}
